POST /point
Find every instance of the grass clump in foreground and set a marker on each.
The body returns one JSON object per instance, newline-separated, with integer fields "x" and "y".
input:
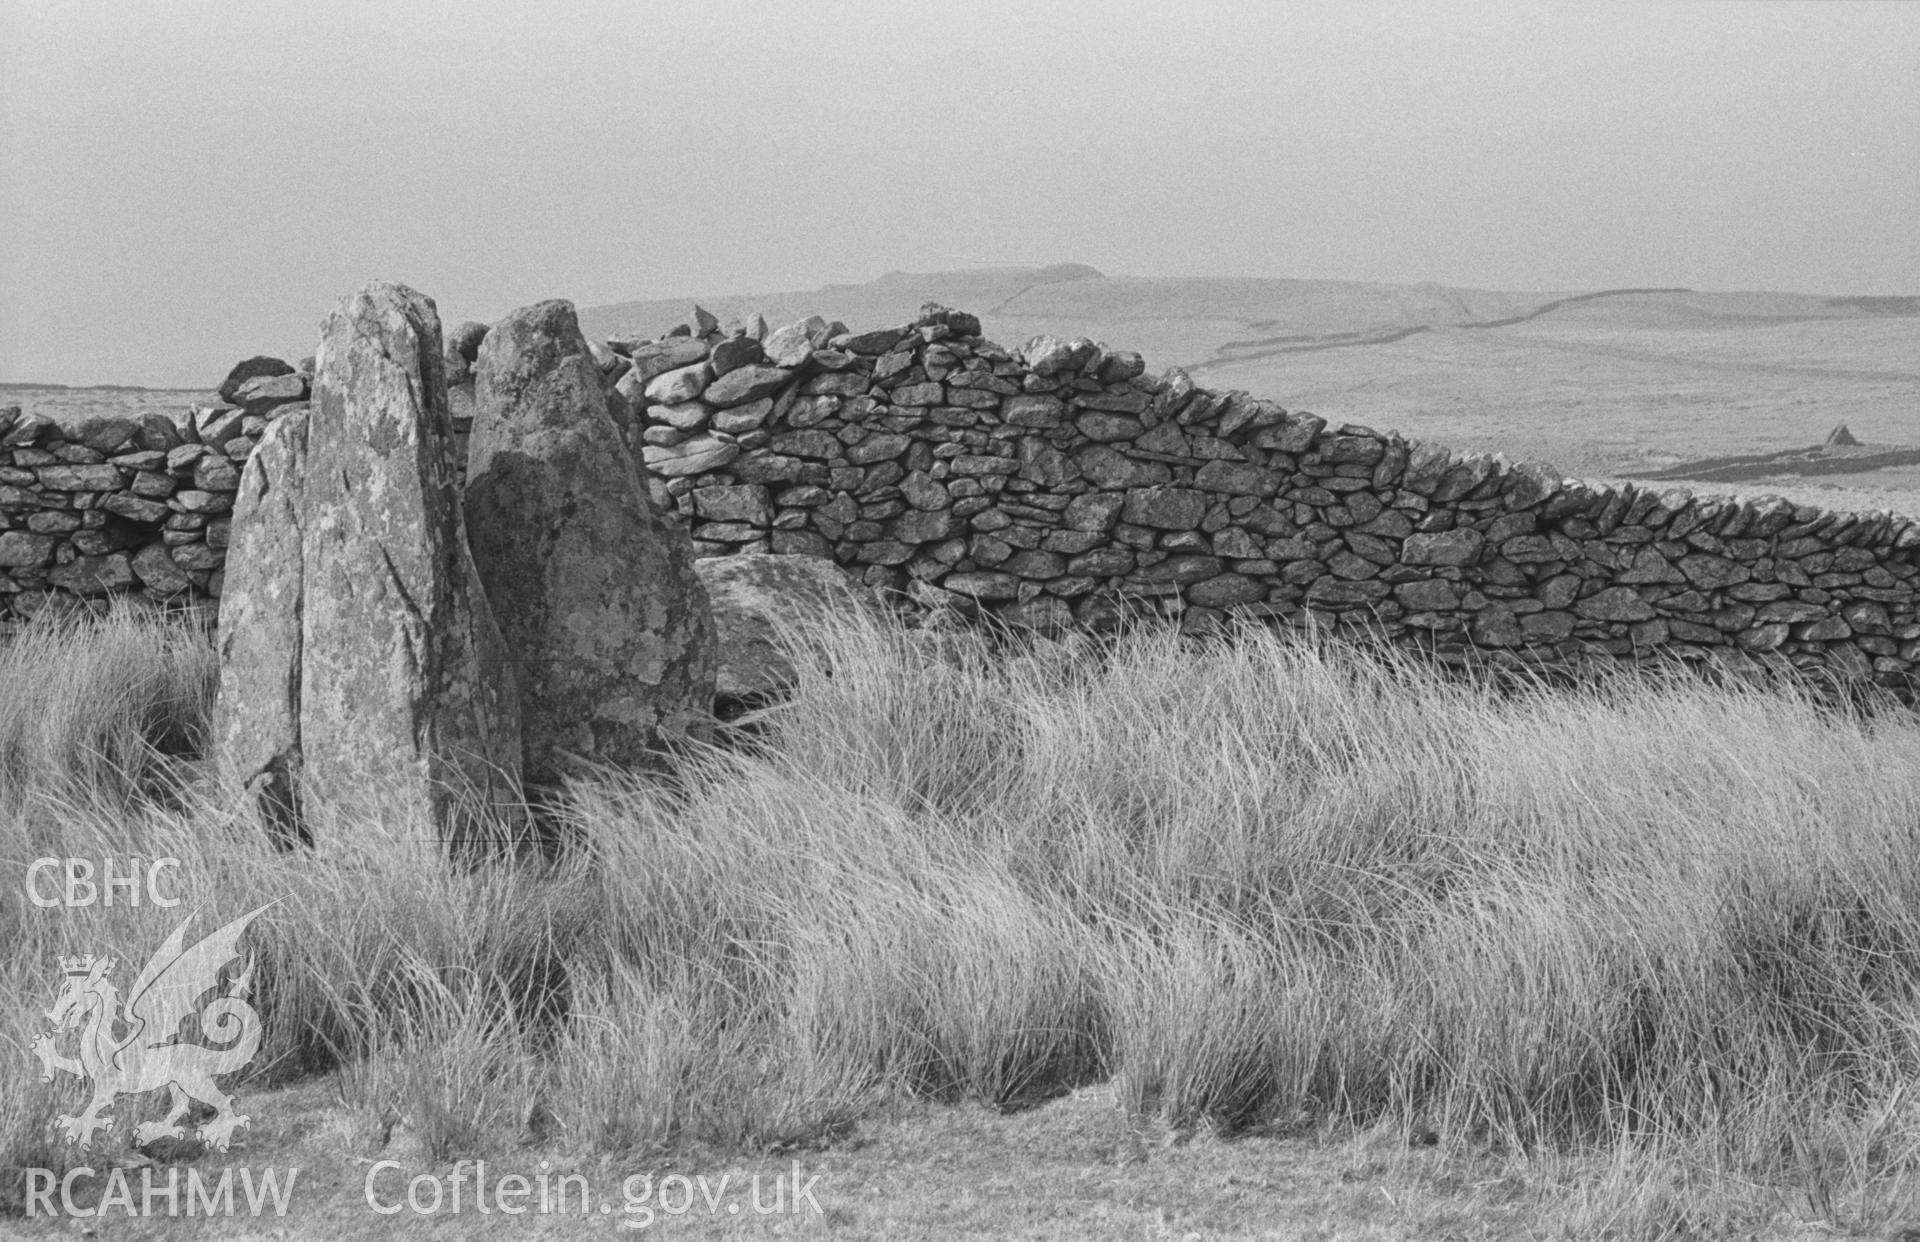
{"x": 1260, "y": 887}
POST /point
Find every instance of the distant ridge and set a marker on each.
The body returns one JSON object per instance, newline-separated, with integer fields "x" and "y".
{"x": 1209, "y": 322}
{"x": 11, "y": 385}
{"x": 1294, "y": 343}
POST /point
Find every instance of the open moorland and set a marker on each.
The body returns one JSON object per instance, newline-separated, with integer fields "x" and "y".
{"x": 1599, "y": 384}
{"x": 1139, "y": 936}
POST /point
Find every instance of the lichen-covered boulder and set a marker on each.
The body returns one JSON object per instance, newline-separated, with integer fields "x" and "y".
{"x": 358, "y": 658}
{"x": 593, "y": 586}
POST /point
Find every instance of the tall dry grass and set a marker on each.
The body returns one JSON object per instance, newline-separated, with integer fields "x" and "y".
{"x": 1266, "y": 884}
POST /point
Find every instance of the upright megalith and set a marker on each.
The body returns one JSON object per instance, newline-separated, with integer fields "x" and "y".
{"x": 594, "y": 588}
{"x": 358, "y": 657}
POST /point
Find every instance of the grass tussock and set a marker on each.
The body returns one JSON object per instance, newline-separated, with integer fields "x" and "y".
{"x": 1261, "y": 885}
{"x": 93, "y": 708}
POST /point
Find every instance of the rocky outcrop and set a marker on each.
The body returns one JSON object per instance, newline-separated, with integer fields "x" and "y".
{"x": 753, "y": 598}
{"x": 593, "y": 588}
{"x": 358, "y": 655}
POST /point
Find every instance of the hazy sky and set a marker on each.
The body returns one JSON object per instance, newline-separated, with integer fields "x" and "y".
{"x": 189, "y": 182}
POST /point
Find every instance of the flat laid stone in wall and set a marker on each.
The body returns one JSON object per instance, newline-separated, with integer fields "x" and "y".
{"x": 593, "y": 587}
{"x": 358, "y": 654}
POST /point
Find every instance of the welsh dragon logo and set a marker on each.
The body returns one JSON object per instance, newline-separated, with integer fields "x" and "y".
{"x": 146, "y": 1057}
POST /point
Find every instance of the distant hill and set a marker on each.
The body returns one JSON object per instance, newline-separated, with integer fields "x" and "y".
{"x": 1201, "y": 322}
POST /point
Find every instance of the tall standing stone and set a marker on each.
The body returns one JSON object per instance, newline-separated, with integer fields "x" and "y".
{"x": 594, "y": 587}
{"x": 358, "y": 655}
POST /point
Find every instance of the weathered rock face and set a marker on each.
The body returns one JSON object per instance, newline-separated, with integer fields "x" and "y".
{"x": 257, "y": 717}
{"x": 358, "y": 655}
{"x": 751, "y": 596}
{"x": 594, "y": 589}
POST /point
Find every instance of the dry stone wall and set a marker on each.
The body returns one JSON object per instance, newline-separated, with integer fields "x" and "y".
{"x": 119, "y": 506}
{"x": 1060, "y": 485}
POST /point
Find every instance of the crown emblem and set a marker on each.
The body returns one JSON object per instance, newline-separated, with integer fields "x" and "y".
{"x": 78, "y": 965}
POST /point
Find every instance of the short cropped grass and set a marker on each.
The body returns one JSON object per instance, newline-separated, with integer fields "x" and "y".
{"x": 1260, "y": 886}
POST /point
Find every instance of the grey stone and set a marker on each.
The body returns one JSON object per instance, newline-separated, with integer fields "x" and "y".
{"x": 984, "y": 585}
{"x": 593, "y": 588}
{"x": 1033, "y": 410}
{"x": 252, "y": 368}
{"x": 358, "y": 658}
{"x": 790, "y": 346}
{"x": 1547, "y": 627}
{"x": 93, "y": 575}
{"x": 687, "y": 416}
{"x": 213, "y": 472}
{"x": 877, "y": 448}
{"x": 1225, "y": 591}
{"x": 81, "y": 478}
{"x": 735, "y": 352}
{"x": 680, "y": 384}
{"x": 105, "y": 435}
{"x": 1452, "y": 547}
{"x": 1098, "y": 426}
{"x": 158, "y": 571}
{"x": 1238, "y": 479}
{"x": 135, "y": 508}
{"x": 748, "y": 383}
{"x": 744, "y": 502}
{"x": 1762, "y": 638}
{"x": 925, "y": 526}
{"x": 743, "y": 418}
{"x": 922, "y": 491}
{"x": 1165, "y": 508}
{"x": 1435, "y": 595}
{"x": 658, "y": 357}
{"x": 21, "y": 549}
{"x": 1615, "y": 604}
{"x": 1709, "y": 572}
{"x": 1184, "y": 569}
{"x": 696, "y": 456}
{"x": 759, "y": 603}
{"x": 464, "y": 342}
{"x": 267, "y": 392}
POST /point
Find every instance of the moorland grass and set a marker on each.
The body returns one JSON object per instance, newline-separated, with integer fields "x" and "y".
{"x": 1267, "y": 885}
